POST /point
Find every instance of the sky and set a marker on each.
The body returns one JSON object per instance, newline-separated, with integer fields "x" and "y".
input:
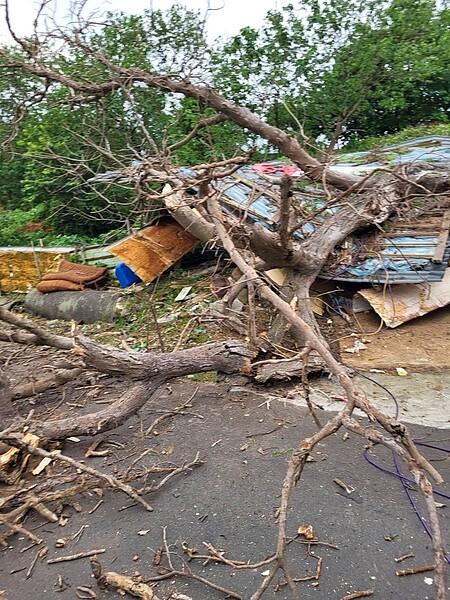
{"x": 226, "y": 18}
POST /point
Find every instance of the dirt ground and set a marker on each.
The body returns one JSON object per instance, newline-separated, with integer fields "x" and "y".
{"x": 422, "y": 344}
{"x": 244, "y": 437}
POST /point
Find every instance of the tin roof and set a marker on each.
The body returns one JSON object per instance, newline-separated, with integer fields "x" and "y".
{"x": 409, "y": 253}
{"x": 427, "y": 149}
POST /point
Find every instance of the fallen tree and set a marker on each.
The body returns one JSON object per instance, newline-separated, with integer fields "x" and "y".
{"x": 195, "y": 201}
{"x": 146, "y": 373}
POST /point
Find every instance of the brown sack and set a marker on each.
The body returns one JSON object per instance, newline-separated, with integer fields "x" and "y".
{"x": 70, "y": 277}
{"x": 81, "y": 273}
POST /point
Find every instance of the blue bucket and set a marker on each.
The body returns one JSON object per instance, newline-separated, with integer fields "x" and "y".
{"x": 125, "y": 275}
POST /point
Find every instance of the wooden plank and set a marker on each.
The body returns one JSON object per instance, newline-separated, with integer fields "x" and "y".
{"x": 391, "y": 244}
{"x": 151, "y": 251}
{"x": 443, "y": 238}
{"x": 409, "y": 233}
{"x": 399, "y": 256}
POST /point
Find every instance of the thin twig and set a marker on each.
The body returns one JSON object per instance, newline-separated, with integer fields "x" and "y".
{"x": 176, "y": 411}
{"x": 56, "y": 455}
{"x": 415, "y": 570}
{"x": 306, "y": 387}
{"x": 404, "y": 557}
{"x": 356, "y": 595}
{"x": 186, "y": 467}
{"x": 39, "y": 554}
{"x": 86, "y": 554}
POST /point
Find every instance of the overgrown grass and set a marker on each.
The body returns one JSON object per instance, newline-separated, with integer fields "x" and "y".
{"x": 181, "y": 323}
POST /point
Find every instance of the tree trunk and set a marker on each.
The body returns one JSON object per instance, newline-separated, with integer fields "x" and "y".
{"x": 148, "y": 371}
{"x": 83, "y": 306}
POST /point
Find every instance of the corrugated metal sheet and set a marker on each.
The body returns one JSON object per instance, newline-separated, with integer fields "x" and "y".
{"x": 430, "y": 149}
{"x": 412, "y": 252}
{"x": 403, "y": 303}
{"x": 253, "y": 192}
{"x": 397, "y": 257}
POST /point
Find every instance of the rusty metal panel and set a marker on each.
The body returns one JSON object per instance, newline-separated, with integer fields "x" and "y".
{"x": 152, "y": 250}
{"x": 402, "y": 303}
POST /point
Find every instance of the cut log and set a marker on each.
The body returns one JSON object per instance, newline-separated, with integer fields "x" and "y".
{"x": 86, "y": 306}
{"x": 282, "y": 370}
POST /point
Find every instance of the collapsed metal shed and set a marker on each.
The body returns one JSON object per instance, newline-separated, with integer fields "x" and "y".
{"x": 406, "y": 251}
{"x": 411, "y": 251}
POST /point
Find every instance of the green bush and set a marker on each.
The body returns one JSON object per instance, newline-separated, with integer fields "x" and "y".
{"x": 28, "y": 227}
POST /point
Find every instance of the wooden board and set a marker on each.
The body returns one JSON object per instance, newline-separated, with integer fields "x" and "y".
{"x": 443, "y": 238}
{"x": 152, "y": 250}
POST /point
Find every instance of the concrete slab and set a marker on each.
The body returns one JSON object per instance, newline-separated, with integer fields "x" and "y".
{"x": 420, "y": 398}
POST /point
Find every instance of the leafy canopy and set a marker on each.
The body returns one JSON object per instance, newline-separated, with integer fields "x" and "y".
{"x": 328, "y": 70}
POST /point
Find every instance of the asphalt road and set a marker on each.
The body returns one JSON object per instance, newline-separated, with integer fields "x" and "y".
{"x": 230, "y": 501}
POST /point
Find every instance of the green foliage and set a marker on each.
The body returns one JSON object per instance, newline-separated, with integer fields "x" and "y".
{"x": 408, "y": 53}
{"x": 20, "y": 227}
{"x": 157, "y": 41}
{"x": 13, "y": 227}
{"x": 59, "y": 145}
{"x": 409, "y": 133}
{"x": 339, "y": 68}
{"x": 332, "y": 69}
{"x": 216, "y": 142}
{"x": 11, "y": 173}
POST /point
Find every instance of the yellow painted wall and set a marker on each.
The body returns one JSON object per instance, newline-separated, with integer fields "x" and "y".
{"x": 21, "y": 270}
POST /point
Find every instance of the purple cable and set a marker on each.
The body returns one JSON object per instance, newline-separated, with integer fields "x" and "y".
{"x": 399, "y": 475}
{"x": 414, "y": 505}
{"x": 427, "y": 445}
{"x": 398, "y": 472}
